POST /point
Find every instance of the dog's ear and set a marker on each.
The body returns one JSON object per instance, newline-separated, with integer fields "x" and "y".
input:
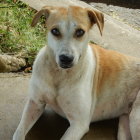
{"x": 44, "y": 11}
{"x": 96, "y": 18}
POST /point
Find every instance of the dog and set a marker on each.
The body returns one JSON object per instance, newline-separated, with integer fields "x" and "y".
{"x": 81, "y": 81}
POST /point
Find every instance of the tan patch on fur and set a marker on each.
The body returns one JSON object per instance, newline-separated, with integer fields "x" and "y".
{"x": 81, "y": 17}
{"x": 109, "y": 66}
{"x": 57, "y": 14}
{"x": 73, "y": 13}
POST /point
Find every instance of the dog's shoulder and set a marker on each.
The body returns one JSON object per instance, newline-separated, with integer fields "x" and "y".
{"x": 40, "y": 60}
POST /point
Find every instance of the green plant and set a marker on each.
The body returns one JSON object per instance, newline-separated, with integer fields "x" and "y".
{"x": 16, "y": 34}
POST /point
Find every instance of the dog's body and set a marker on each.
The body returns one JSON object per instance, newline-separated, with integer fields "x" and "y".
{"x": 111, "y": 83}
{"x": 97, "y": 84}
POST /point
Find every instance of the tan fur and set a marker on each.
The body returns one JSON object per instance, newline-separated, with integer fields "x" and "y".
{"x": 110, "y": 63}
{"x": 83, "y": 20}
{"x": 96, "y": 17}
{"x": 114, "y": 84}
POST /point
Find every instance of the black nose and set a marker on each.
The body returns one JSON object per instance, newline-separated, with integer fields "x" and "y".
{"x": 66, "y": 59}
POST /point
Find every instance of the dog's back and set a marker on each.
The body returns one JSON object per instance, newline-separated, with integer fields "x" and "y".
{"x": 117, "y": 81}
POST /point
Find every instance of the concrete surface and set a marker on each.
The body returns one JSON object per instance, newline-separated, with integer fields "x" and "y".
{"x": 13, "y": 94}
{"x": 118, "y": 36}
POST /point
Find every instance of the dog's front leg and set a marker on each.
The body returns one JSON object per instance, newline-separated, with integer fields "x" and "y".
{"x": 76, "y": 130}
{"x": 124, "y": 129}
{"x": 32, "y": 111}
{"x": 77, "y": 111}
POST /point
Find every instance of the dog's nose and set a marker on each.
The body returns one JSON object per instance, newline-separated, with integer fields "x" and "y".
{"x": 66, "y": 59}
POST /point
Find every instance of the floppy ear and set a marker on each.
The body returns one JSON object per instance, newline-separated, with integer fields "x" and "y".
{"x": 37, "y": 16}
{"x": 96, "y": 18}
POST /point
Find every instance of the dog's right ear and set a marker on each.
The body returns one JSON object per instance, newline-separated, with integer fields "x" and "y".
{"x": 96, "y": 17}
{"x": 37, "y": 16}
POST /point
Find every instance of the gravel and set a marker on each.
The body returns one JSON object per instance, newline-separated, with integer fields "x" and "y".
{"x": 127, "y": 15}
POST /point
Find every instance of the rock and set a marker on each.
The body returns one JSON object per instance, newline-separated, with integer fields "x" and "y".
{"x": 111, "y": 10}
{"x": 11, "y": 63}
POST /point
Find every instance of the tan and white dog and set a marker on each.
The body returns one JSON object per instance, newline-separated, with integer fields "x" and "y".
{"x": 79, "y": 80}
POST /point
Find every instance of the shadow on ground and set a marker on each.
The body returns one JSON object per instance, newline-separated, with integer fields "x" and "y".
{"x": 51, "y": 127}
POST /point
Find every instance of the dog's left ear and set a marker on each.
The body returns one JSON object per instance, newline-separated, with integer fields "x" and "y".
{"x": 96, "y": 18}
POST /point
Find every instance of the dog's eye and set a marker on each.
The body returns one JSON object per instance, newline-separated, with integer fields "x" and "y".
{"x": 79, "y": 32}
{"x": 55, "y": 32}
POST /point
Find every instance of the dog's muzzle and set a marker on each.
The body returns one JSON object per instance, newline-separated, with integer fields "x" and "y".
{"x": 66, "y": 61}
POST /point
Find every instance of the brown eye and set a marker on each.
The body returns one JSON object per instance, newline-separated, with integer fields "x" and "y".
{"x": 55, "y": 32}
{"x": 79, "y": 32}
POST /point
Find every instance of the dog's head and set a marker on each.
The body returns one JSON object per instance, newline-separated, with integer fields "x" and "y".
{"x": 68, "y": 31}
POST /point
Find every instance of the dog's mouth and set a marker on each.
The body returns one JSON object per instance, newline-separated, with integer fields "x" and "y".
{"x": 64, "y": 66}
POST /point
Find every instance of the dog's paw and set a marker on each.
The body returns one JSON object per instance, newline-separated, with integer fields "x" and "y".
{"x": 18, "y": 136}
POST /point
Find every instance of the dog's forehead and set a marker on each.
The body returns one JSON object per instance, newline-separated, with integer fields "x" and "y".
{"x": 77, "y": 16}
{"x": 80, "y": 16}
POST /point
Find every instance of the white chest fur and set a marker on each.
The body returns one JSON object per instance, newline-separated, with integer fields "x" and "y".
{"x": 59, "y": 84}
